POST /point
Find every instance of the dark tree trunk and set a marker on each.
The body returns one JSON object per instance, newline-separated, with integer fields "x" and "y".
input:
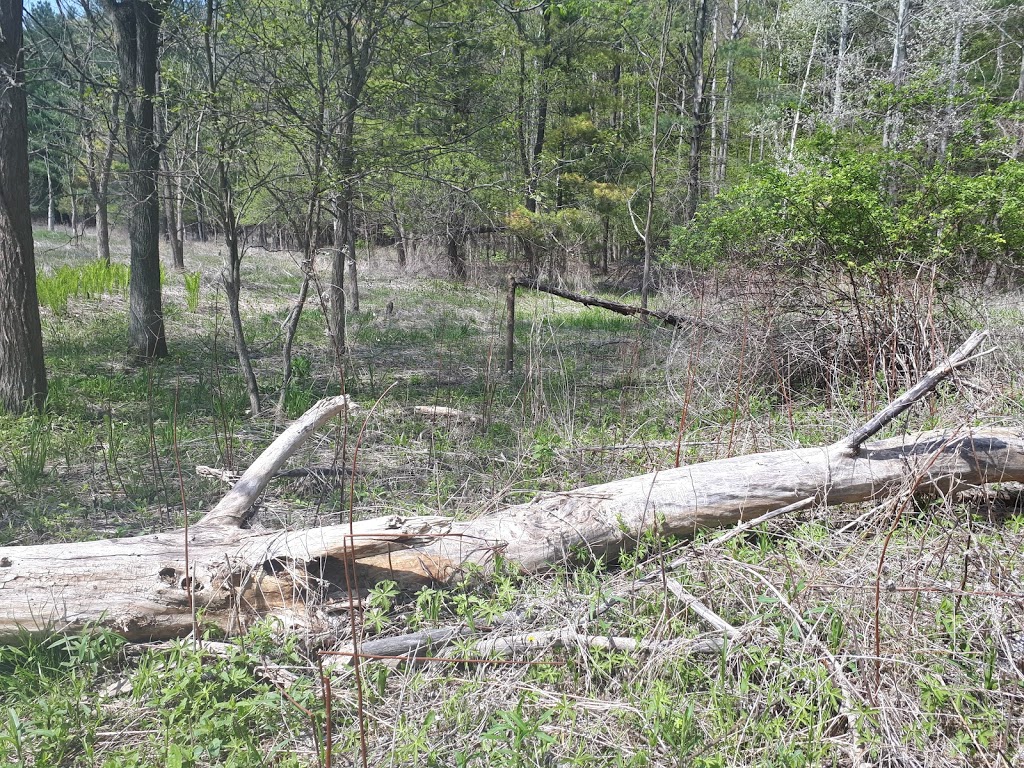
{"x": 456, "y": 257}
{"x": 698, "y": 109}
{"x": 342, "y": 225}
{"x": 138, "y": 26}
{"x": 22, "y": 372}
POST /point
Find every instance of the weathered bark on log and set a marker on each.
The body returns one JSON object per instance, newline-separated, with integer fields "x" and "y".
{"x": 142, "y": 588}
{"x": 604, "y": 519}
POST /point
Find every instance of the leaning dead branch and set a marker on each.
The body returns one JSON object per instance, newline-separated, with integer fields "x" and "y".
{"x": 667, "y": 318}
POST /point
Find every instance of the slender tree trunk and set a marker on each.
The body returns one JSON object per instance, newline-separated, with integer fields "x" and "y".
{"x": 200, "y": 206}
{"x": 102, "y": 230}
{"x": 648, "y": 233}
{"x": 1018, "y": 95}
{"x": 233, "y": 287}
{"x": 99, "y": 172}
{"x": 22, "y": 371}
{"x": 712, "y": 112}
{"x": 893, "y": 118}
{"x": 50, "y": 206}
{"x": 179, "y": 210}
{"x": 229, "y": 219}
{"x": 396, "y": 222}
{"x": 342, "y": 225}
{"x": 73, "y": 200}
{"x": 351, "y": 261}
{"x": 170, "y": 212}
{"x": 291, "y": 328}
{"x": 840, "y": 73}
{"x": 138, "y": 26}
{"x": 736, "y": 30}
{"x": 803, "y": 92}
{"x": 533, "y": 125}
{"x": 698, "y": 96}
{"x": 953, "y": 80}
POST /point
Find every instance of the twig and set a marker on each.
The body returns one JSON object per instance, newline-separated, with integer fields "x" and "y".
{"x": 702, "y": 610}
{"x": 744, "y": 527}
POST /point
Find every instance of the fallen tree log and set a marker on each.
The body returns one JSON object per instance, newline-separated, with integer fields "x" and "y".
{"x": 149, "y": 587}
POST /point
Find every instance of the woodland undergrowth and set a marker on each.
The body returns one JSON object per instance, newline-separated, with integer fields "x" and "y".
{"x": 886, "y": 635}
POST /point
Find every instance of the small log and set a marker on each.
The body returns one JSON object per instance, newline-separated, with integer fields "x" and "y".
{"x": 444, "y": 413}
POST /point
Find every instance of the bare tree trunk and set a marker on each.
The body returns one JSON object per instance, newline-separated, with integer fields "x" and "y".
{"x": 99, "y": 173}
{"x": 803, "y": 92}
{"x": 50, "y": 204}
{"x": 291, "y": 328}
{"x": 138, "y": 26}
{"x": 1018, "y": 95}
{"x": 736, "y": 31}
{"x": 342, "y": 225}
{"x": 350, "y": 262}
{"x": 840, "y": 73}
{"x": 893, "y": 118}
{"x": 233, "y": 287}
{"x": 396, "y": 222}
{"x": 698, "y": 108}
{"x": 229, "y": 219}
{"x": 22, "y": 371}
{"x": 648, "y": 233}
{"x": 170, "y": 211}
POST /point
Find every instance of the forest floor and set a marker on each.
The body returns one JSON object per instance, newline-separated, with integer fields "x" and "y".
{"x": 888, "y": 635}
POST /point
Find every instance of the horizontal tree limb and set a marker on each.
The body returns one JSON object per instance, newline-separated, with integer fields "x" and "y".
{"x": 629, "y": 310}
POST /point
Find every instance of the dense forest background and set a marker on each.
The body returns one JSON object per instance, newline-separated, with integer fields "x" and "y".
{"x": 566, "y": 135}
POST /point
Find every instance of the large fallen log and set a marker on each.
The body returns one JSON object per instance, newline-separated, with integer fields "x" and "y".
{"x": 150, "y": 587}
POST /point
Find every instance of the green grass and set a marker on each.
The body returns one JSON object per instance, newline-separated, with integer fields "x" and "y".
{"x": 88, "y": 281}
